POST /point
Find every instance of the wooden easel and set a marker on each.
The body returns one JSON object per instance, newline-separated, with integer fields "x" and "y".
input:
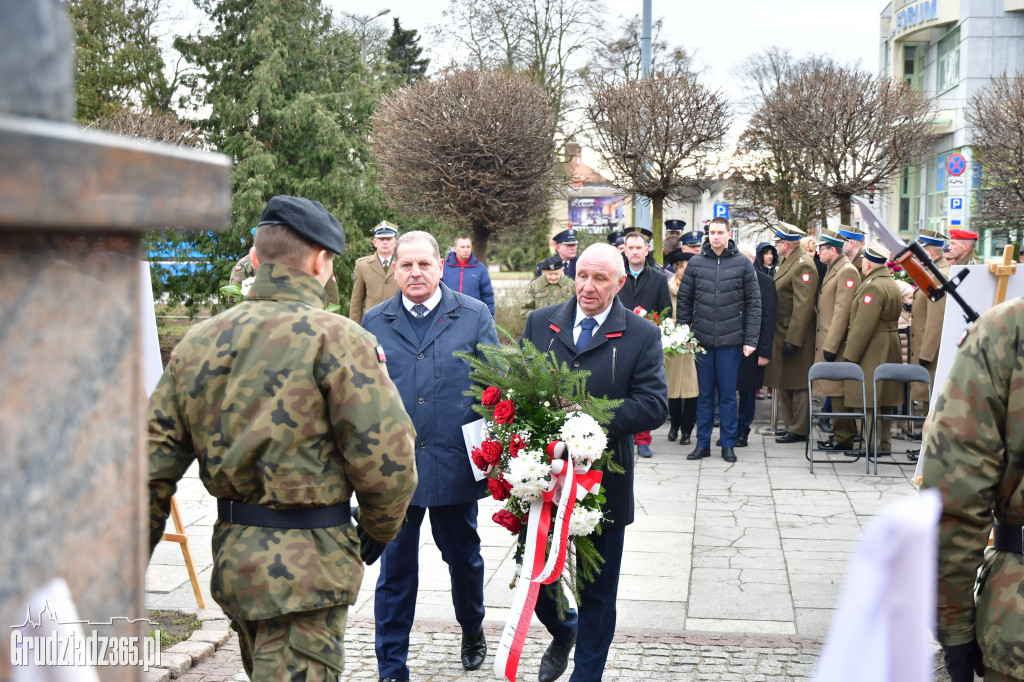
{"x": 1003, "y": 271}
{"x": 182, "y": 539}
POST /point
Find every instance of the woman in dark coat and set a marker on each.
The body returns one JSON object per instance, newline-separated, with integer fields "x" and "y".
{"x": 766, "y": 252}
{"x": 751, "y": 375}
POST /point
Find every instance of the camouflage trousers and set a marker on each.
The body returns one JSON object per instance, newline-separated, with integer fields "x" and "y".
{"x": 296, "y": 646}
{"x": 995, "y": 676}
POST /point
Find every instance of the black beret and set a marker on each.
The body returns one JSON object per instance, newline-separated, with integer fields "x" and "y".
{"x": 308, "y": 219}
{"x": 552, "y": 263}
{"x": 673, "y": 257}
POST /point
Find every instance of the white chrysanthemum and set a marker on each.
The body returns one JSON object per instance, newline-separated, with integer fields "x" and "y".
{"x": 584, "y": 437}
{"x": 528, "y": 474}
{"x": 247, "y": 284}
{"x": 583, "y": 521}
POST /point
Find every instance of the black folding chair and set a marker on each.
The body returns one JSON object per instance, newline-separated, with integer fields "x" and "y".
{"x": 834, "y": 371}
{"x": 903, "y": 374}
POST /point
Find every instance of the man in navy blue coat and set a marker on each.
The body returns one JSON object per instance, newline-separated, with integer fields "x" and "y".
{"x": 419, "y": 328}
{"x": 593, "y": 331}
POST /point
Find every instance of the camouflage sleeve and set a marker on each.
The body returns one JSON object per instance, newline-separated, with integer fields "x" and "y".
{"x": 372, "y": 430}
{"x": 170, "y": 452}
{"x": 964, "y": 455}
{"x": 529, "y": 303}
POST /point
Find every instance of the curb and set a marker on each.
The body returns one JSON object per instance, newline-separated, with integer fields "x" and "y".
{"x": 213, "y": 632}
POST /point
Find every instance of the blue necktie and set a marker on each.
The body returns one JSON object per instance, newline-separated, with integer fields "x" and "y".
{"x": 419, "y": 310}
{"x": 586, "y": 332}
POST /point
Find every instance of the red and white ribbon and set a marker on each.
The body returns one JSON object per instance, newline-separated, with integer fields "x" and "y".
{"x": 568, "y": 485}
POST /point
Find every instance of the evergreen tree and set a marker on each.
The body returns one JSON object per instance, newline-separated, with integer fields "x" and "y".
{"x": 404, "y": 53}
{"x": 117, "y": 59}
{"x": 288, "y": 99}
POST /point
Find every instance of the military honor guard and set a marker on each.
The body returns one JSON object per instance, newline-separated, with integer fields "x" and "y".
{"x": 288, "y": 410}
{"x": 835, "y": 299}
{"x": 796, "y": 282}
{"x": 566, "y": 246}
{"x": 374, "y": 275}
{"x": 926, "y": 319}
{"x": 551, "y": 288}
{"x": 963, "y": 247}
{"x": 972, "y": 456}
{"x": 874, "y": 339}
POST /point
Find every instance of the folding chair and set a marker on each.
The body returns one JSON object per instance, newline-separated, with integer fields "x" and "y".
{"x": 834, "y": 371}
{"x": 904, "y": 374}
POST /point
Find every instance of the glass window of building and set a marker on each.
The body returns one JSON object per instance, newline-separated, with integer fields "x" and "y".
{"x": 948, "y": 66}
{"x": 909, "y": 202}
{"x": 913, "y": 66}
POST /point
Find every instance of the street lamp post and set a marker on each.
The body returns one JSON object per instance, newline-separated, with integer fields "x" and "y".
{"x": 363, "y": 20}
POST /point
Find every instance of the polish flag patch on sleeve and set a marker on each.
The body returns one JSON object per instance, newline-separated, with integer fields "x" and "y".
{"x": 849, "y": 284}
{"x": 238, "y": 267}
{"x": 380, "y": 354}
{"x": 806, "y": 277}
{"x": 867, "y": 298}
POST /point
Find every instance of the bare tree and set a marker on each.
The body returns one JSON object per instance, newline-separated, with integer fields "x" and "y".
{"x": 474, "y": 146}
{"x": 150, "y": 124}
{"x": 767, "y": 189}
{"x": 618, "y": 59}
{"x": 659, "y": 137}
{"x": 849, "y": 129}
{"x": 996, "y": 117}
{"x": 547, "y": 40}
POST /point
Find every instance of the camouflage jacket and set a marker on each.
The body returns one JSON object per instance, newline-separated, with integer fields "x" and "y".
{"x": 243, "y": 270}
{"x": 974, "y": 456}
{"x": 539, "y": 293}
{"x": 285, "y": 405}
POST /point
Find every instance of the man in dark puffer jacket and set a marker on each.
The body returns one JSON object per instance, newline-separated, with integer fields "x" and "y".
{"x": 719, "y": 298}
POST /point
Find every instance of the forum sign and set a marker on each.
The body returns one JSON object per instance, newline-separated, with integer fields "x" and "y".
{"x": 914, "y": 15}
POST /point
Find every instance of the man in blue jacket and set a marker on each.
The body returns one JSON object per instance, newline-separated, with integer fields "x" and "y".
{"x": 720, "y": 300}
{"x": 622, "y": 352}
{"x": 465, "y": 274}
{"x": 418, "y": 329}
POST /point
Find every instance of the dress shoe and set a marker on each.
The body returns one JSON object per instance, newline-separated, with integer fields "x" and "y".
{"x": 718, "y": 443}
{"x": 728, "y": 455}
{"x": 825, "y": 425}
{"x": 555, "y": 661}
{"x": 699, "y": 453}
{"x": 831, "y": 444}
{"x": 790, "y": 438}
{"x": 474, "y": 650}
{"x": 781, "y": 432}
{"x": 673, "y": 432}
{"x": 644, "y": 450}
{"x": 684, "y": 439}
{"x": 741, "y": 440}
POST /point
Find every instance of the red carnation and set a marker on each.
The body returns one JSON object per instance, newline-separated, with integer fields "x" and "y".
{"x": 497, "y": 489}
{"x": 491, "y": 397}
{"x": 492, "y": 452}
{"x": 515, "y": 445}
{"x": 479, "y": 459}
{"x": 505, "y": 518}
{"x": 504, "y": 412}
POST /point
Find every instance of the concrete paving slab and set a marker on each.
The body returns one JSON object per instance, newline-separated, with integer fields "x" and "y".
{"x": 739, "y": 594}
{"x": 760, "y": 627}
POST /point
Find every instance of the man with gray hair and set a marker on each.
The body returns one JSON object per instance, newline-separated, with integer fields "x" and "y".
{"x": 418, "y": 329}
{"x": 593, "y": 331}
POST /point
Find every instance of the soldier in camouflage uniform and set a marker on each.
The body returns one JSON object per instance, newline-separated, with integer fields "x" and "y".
{"x": 974, "y": 456}
{"x": 551, "y": 288}
{"x": 245, "y": 268}
{"x": 289, "y": 410}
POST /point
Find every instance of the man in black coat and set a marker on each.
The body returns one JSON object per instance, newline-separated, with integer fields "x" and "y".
{"x": 720, "y": 301}
{"x": 751, "y": 376}
{"x": 647, "y": 287}
{"x": 593, "y": 331}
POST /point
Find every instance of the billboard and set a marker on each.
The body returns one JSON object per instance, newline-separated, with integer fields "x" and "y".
{"x": 597, "y": 215}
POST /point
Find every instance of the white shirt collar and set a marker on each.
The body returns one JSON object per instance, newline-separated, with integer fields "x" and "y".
{"x": 600, "y": 317}
{"x": 431, "y": 302}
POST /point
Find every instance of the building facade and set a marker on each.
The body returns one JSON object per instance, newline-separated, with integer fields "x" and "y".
{"x": 948, "y": 50}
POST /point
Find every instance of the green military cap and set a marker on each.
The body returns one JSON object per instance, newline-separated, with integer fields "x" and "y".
{"x": 831, "y": 238}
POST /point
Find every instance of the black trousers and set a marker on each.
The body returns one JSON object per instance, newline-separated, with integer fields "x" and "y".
{"x": 682, "y": 412}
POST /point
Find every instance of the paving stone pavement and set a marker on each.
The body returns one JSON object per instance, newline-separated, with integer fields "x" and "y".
{"x": 730, "y": 572}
